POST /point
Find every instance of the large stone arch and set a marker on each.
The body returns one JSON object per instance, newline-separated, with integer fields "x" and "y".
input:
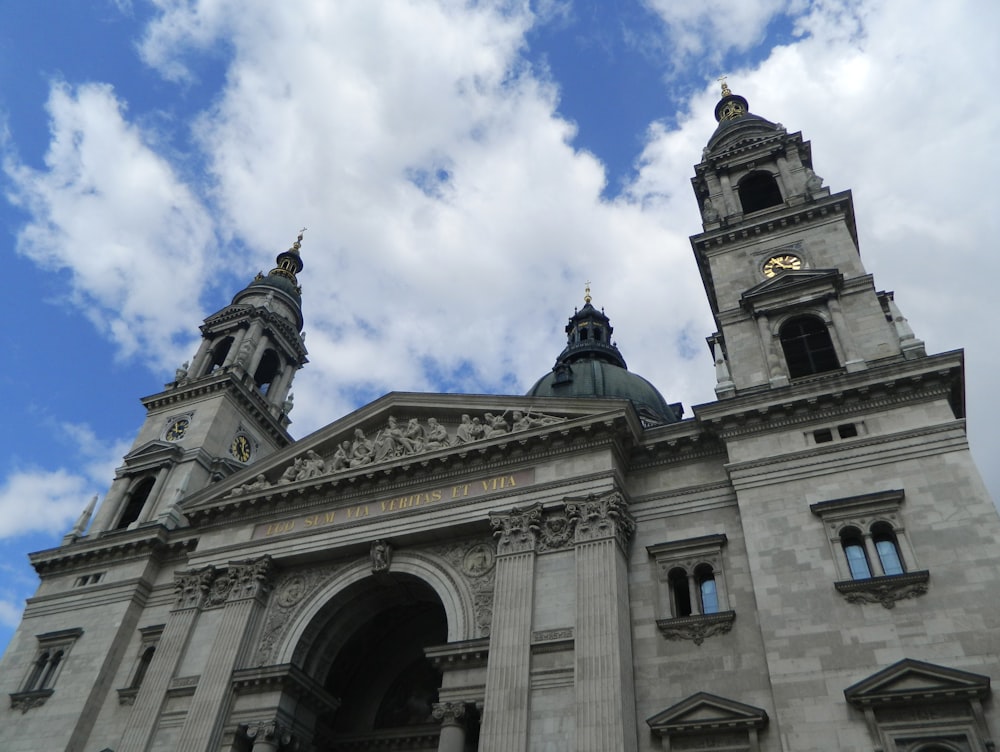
{"x": 449, "y": 586}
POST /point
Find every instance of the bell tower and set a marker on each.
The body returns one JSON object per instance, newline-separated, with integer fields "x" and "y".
{"x": 781, "y": 265}
{"x": 225, "y": 410}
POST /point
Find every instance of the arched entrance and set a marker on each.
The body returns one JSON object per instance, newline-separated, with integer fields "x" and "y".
{"x": 367, "y": 650}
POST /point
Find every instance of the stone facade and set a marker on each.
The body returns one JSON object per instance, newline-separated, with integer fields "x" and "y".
{"x": 808, "y": 563}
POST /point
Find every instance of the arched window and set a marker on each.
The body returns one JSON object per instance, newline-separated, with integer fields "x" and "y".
{"x": 267, "y": 370}
{"x": 759, "y": 190}
{"x": 680, "y": 592}
{"x": 854, "y": 550}
{"x": 887, "y": 548}
{"x": 34, "y": 678}
{"x": 219, "y": 353}
{"x": 48, "y": 678}
{"x": 136, "y": 501}
{"x": 140, "y": 672}
{"x": 807, "y": 346}
{"x": 707, "y": 590}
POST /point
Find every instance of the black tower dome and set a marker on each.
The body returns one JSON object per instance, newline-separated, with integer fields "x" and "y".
{"x": 592, "y": 366}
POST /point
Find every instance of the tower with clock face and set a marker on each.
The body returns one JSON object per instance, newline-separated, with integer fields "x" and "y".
{"x": 780, "y": 263}
{"x": 226, "y": 409}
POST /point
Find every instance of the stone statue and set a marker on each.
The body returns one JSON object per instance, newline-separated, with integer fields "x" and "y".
{"x": 415, "y": 435}
{"x": 496, "y": 425}
{"x": 813, "y": 181}
{"x": 362, "y": 450}
{"x": 182, "y": 373}
{"x": 381, "y": 554}
{"x": 288, "y": 404}
{"x": 342, "y": 457}
{"x": 312, "y": 466}
{"x": 708, "y": 211}
{"x": 259, "y": 483}
{"x": 437, "y": 435}
{"x": 464, "y": 433}
{"x": 522, "y": 421}
{"x": 291, "y": 472}
{"x": 477, "y": 430}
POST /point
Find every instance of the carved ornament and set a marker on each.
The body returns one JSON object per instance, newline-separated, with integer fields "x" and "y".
{"x": 885, "y": 590}
{"x": 272, "y": 732}
{"x": 448, "y": 713}
{"x": 192, "y": 587}
{"x": 517, "y": 529}
{"x": 696, "y": 628}
{"x": 601, "y": 517}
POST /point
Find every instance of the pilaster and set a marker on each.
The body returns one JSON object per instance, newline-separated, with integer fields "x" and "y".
{"x": 605, "y": 687}
{"x": 451, "y": 715}
{"x": 191, "y": 589}
{"x": 505, "y": 713}
{"x": 247, "y": 584}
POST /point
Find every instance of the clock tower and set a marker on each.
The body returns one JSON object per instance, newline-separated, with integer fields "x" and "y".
{"x": 224, "y": 410}
{"x": 780, "y": 262}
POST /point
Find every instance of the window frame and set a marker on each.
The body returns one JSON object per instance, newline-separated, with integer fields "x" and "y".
{"x": 868, "y": 514}
{"x": 49, "y": 659}
{"x": 692, "y": 557}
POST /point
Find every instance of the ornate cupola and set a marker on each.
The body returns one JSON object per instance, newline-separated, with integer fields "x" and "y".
{"x": 592, "y": 366}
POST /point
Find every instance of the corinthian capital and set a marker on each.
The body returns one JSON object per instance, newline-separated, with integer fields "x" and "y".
{"x": 600, "y": 517}
{"x": 191, "y": 587}
{"x": 268, "y": 735}
{"x": 516, "y": 530}
{"x": 250, "y": 578}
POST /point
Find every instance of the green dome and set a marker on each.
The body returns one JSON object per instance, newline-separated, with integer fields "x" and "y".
{"x": 591, "y": 377}
{"x": 592, "y": 366}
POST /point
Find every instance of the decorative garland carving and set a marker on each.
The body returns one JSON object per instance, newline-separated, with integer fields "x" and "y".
{"x": 601, "y": 517}
{"x": 885, "y": 590}
{"x": 696, "y": 628}
{"x": 25, "y": 701}
{"x": 556, "y": 531}
{"x": 291, "y": 591}
{"x": 475, "y": 560}
{"x": 395, "y": 440}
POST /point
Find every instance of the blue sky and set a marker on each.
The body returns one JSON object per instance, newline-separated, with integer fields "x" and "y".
{"x": 472, "y": 162}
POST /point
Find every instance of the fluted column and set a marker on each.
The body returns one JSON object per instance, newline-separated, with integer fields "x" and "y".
{"x": 452, "y": 718}
{"x": 269, "y": 736}
{"x": 605, "y": 686}
{"x": 248, "y": 584}
{"x": 505, "y": 712}
{"x": 191, "y": 589}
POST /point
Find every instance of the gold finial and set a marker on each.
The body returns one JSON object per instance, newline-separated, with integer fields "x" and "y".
{"x": 586, "y": 293}
{"x": 725, "y": 87}
{"x": 298, "y": 241}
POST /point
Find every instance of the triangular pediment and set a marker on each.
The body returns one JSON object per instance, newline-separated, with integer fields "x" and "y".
{"x": 705, "y": 711}
{"x": 791, "y": 287}
{"x": 151, "y": 450}
{"x": 913, "y": 681}
{"x": 407, "y": 432}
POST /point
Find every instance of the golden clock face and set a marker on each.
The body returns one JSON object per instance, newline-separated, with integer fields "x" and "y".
{"x": 241, "y": 448}
{"x": 781, "y": 263}
{"x": 177, "y": 429}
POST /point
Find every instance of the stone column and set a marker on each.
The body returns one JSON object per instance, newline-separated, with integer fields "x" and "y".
{"x": 109, "y": 507}
{"x": 191, "y": 588}
{"x": 843, "y": 334}
{"x": 198, "y": 361}
{"x": 732, "y": 205}
{"x": 269, "y": 736}
{"x": 245, "y": 586}
{"x": 154, "y": 494}
{"x": 605, "y": 686}
{"x": 505, "y": 713}
{"x": 234, "y": 348}
{"x": 452, "y": 718}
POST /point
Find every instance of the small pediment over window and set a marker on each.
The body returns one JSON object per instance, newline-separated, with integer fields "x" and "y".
{"x": 791, "y": 285}
{"x": 910, "y": 681}
{"x": 727, "y": 723}
{"x": 152, "y": 450}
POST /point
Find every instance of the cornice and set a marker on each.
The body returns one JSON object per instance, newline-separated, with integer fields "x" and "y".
{"x": 224, "y": 380}
{"x": 821, "y": 210}
{"x": 891, "y": 384}
{"x": 116, "y": 546}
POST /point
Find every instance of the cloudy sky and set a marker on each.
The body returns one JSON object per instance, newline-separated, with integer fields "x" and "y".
{"x": 463, "y": 168}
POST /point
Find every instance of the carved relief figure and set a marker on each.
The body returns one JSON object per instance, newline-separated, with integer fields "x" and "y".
{"x": 381, "y": 555}
{"x": 464, "y": 433}
{"x": 362, "y": 451}
{"x": 342, "y": 457}
{"x": 437, "y": 435}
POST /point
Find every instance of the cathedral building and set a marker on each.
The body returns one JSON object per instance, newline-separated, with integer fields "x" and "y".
{"x": 809, "y": 562}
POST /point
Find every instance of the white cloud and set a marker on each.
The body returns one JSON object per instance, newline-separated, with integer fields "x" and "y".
{"x": 36, "y": 500}
{"x": 111, "y": 211}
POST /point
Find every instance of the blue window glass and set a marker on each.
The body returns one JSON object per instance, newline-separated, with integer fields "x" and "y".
{"x": 856, "y": 559}
{"x": 709, "y": 596}
{"x": 888, "y": 556}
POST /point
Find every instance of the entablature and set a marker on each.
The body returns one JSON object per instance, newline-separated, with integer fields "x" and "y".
{"x": 150, "y": 540}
